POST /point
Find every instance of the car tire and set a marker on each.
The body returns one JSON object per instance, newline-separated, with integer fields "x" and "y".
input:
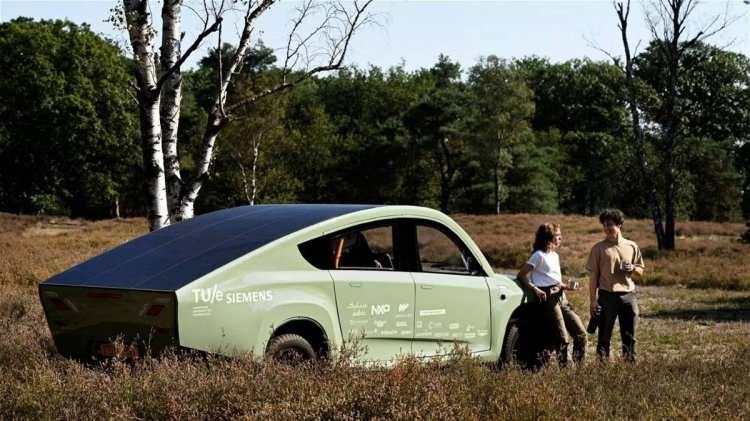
{"x": 290, "y": 349}
{"x": 511, "y": 344}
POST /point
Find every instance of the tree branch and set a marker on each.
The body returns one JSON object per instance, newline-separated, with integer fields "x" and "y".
{"x": 337, "y": 54}
{"x": 213, "y": 28}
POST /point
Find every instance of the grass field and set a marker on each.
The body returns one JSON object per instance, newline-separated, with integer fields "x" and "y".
{"x": 694, "y": 344}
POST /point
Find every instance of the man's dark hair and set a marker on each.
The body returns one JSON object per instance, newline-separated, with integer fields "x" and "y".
{"x": 612, "y": 215}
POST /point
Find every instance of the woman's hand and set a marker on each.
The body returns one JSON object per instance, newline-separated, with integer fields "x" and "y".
{"x": 571, "y": 285}
{"x": 541, "y": 295}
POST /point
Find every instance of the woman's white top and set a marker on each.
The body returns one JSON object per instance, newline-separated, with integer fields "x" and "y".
{"x": 546, "y": 266}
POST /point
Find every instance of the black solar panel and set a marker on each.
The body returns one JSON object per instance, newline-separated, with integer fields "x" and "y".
{"x": 172, "y": 257}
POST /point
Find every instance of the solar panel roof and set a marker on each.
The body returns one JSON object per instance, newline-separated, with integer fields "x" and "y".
{"x": 174, "y": 256}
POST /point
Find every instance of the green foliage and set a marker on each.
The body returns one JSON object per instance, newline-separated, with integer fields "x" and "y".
{"x": 524, "y": 135}
{"x": 67, "y": 142}
{"x": 714, "y": 103}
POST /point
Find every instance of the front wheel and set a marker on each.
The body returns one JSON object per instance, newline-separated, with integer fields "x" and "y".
{"x": 290, "y": 349}
{"x": 511, "y": 344}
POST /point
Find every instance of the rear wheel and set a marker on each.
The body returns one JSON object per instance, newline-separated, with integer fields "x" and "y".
{"x": 290, "y": 349}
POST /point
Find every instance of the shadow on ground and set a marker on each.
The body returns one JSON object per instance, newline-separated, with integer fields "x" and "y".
{"x": 736, "y": 309}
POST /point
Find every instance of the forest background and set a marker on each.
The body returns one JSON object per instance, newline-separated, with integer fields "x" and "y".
{"x": 502, "y": 136}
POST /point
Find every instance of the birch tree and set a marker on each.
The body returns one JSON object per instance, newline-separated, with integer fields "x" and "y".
{"x": 318, "y": 41}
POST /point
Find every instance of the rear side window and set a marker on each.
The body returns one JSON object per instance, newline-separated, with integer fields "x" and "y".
{"x": 367, "y": 248}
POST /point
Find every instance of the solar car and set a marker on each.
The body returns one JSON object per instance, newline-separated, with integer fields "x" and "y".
{"x": 289, "y": 281}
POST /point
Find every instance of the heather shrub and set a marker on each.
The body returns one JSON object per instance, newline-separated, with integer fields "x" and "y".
{"x": 694, "y": 356}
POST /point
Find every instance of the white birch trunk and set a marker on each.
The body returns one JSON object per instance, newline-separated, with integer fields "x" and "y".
{"x": 140, "y": 31}
{"x": 216, "y": 121}
{"x": 256, "y": 154}
{"x": 245, "y": 187}
{"x": 171, "y": 95}
{"x": 187, "y": 203}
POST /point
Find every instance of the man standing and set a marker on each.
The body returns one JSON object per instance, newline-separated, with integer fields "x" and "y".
{"x": 612, "y": 264}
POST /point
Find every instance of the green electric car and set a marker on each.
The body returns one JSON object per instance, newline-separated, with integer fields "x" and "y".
{"x": 287, "y": 281}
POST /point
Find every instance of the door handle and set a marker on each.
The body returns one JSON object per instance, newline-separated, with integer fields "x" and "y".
{"x": 355, "y": 284}
{"x": 426, "y": 286}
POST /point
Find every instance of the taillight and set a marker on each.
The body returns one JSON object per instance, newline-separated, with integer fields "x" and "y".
{"x": 60, "y": 304}
{"x": 154, "y": 310}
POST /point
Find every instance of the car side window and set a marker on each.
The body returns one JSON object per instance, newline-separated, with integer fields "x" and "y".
{"x": 367, "y": 248}
{"x": 364, "y": 249}
{"x": 439, "y": 253}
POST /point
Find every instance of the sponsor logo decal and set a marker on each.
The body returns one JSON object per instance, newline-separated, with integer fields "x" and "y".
{"x": 403, "y": 307}
{"x": 433, "y": 312}
{"x": 380, "y": 309}
{"x": 454, "y": 326}
{"x": 215, "y": 295}
{"x": 201, "y": 311}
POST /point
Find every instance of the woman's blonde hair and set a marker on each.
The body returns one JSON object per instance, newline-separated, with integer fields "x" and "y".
{"x": 545, "y": 234}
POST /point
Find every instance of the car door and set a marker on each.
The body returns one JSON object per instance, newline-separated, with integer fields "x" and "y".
{"x": 375, "y": 299}
{"x": 452, "y": 294}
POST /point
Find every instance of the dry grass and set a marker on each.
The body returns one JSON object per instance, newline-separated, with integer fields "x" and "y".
{"x": 694, "y": 353}
{"x": 690, "y": 368}
{"x": 708, "y": 255}
{"x": 35, "y": 248}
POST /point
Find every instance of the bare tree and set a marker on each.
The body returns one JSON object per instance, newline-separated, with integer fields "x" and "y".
{"x": 171, "y": 195}
{"x": 623, "y": 13}
{"x": 668, "y": 22}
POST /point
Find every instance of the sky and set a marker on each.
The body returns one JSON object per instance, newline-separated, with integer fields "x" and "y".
{"x": 414, "y": 33}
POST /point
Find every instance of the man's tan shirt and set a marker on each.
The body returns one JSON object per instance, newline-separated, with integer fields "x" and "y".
{"x": 604, "y": 264}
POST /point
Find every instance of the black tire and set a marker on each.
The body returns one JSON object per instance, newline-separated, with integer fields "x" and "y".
{"x": 290, "y": 349}
{"x": 511, "y": 344}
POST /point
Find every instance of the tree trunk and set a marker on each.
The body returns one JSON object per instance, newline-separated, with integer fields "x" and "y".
{"x": 187, "y": 202}
{"x": 256, "y": 153}
{"x": 640, "y": 144}
{"x": 171, "y": 95}
{"x": 673, "y": 126}
{"x": 446, "y": 175}
{"x": 153, "y": 161}
{"x": 497, "y": 189}
{"x": 245, "y": 187}
{"x": 139, "y": 28}
{"x": 669, "y": 234}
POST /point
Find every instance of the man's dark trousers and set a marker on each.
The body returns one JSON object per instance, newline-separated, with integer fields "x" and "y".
{"x": 622, "y": 306}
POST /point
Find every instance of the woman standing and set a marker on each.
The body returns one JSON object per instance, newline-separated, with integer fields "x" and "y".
{"x": 541, "y": 274}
